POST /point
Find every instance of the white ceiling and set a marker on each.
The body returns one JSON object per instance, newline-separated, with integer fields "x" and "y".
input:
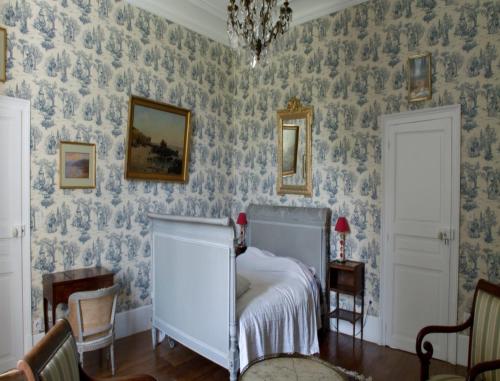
{"x": 208, "y": 17}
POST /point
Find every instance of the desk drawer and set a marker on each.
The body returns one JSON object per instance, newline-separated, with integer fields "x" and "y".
{"x": 63, "y": 291}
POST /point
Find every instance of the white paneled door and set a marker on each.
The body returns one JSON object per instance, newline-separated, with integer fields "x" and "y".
{"x": 13, "y": 221}
{"x": 421, "y": 187}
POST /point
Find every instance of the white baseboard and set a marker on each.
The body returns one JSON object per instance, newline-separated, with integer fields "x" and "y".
{"x": 372, "y": 333}
{"x": 133, "y": 321}
{"x": 126, "y": 323}
{"x": 371, "y": 330}
{"x": 139, "y": 319}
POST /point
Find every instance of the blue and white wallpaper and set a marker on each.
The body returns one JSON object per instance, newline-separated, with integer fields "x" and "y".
{"x": 350, "y": 67}
{"x": 78, "y": 61}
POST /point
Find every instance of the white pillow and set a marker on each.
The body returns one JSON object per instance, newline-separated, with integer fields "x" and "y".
{"x": 242, "y": 285}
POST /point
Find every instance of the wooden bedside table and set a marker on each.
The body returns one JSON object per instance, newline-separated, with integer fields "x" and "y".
{"x": 347, "y": 278}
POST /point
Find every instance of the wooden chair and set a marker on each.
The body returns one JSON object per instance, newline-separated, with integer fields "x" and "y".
{"x": 55, "y": 358}
{"x": 484, "y": 338}
{"x": 92, "y": 319}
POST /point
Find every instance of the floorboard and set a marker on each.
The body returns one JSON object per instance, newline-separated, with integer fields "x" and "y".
{"x": 134, "y": 354}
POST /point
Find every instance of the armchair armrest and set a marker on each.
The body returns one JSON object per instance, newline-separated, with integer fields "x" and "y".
{"x": 482, "y": 367}
{"x": 425, "y": 357}
{"x": 12, "y": 375}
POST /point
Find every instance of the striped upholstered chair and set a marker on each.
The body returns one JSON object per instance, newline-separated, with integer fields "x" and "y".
{"x": 484, "y": 338}
{"x": 55, "y": 358}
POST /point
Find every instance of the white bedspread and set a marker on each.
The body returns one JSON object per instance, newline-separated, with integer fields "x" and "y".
{"x": 280, "y": 312}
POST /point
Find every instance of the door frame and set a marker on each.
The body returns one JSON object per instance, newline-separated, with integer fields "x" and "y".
{"x": 452, "y": 112}
{"x": 24, "y": 106}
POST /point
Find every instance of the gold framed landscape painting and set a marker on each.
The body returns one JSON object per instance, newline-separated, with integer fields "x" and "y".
{"x": 419, "y": 77}
{"x": 77, "y": 165}
{"x": 157, "y": 141}
{"x": 3, "y": 54}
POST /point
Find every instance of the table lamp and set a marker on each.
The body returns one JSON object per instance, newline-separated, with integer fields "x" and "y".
{"x": 342, "y": 227}
{"x": 242, "y": 221}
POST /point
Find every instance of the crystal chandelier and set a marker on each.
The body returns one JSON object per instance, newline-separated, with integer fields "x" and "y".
{"x": 254, "y": 24}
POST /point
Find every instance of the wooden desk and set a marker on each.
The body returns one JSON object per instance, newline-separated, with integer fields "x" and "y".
{"x": 57, "y": 287}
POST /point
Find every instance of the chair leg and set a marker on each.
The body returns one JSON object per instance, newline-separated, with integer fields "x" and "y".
{"x": 81, "y": 358}
{"x": 112, "y": 354}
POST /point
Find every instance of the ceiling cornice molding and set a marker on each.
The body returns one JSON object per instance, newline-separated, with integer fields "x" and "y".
{"x": 306, "y": 11}
{"x": 208, "y": 17}
{"x": 187, "y": 14}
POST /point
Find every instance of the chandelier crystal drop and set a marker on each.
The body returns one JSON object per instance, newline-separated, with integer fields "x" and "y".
{"x": 253, "y": 25}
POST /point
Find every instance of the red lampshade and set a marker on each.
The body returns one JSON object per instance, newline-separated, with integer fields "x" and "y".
{"x": 342, "y": 226}
{"x": 242, "y": 219}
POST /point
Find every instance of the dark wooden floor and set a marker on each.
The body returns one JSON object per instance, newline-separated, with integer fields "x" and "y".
{"x": 134, "y": 355}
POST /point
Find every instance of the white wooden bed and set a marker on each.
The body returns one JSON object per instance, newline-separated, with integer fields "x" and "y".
{"x": 194, "y": 272}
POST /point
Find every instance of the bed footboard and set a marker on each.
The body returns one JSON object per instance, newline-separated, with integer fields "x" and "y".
{"x": 193, "y": 277}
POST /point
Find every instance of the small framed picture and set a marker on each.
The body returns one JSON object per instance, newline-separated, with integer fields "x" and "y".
{"x": 3, "y": 54}
{"x": 77, "y": 165}
{"x": 157, "y": 141}
{"x": 419, "y": 77}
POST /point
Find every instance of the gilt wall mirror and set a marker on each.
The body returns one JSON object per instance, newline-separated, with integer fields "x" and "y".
{"x": 294, "y": 149}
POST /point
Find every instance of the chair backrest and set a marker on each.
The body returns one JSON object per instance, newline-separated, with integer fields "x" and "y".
{"x": 54, "y": 358}
{"x": 92, "y": 313}
{"x": 485, "y": 331}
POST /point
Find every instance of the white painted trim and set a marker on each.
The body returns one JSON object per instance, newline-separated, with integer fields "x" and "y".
{"x": 130, "y": 322}
{"x": 310, "y": 10}
{"x": 454, "y": 113}
{"x": 26, "y": 240}
{"x": 133, "y": 321}
{"x": 127, "y": 323}
{"x": 188, "y": 15}
{"x": 371, "y": 331}
{"x": 372, "y": 334}
{"x": 209, "y": 19}
{"x": 24, "y": 107}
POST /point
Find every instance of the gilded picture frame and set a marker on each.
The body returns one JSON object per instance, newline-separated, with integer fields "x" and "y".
{"x": 3, "y": 54}
{"x": 294, "y": 113}
{"x": 77, "y": 165}
{"x": 158, "y": 141}
{"x": 419, "y": 69}
{"x": 290, "y": 140}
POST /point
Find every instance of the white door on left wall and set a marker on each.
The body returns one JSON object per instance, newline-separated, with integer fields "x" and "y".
{"x": 12, "y": 230}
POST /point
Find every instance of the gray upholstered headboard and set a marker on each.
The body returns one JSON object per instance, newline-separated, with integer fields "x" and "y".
{"x": 301, "y": 233}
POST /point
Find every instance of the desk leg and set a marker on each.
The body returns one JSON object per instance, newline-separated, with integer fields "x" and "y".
{"x": 54, "y": 308}
{"x": 354, "y": 319}
{"x": 46, "y": 314}
{"x": 338, "y": 312}
{"x": 362, "y": 313}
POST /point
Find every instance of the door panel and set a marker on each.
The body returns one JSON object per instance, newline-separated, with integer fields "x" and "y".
{"x": 418, "y": 182}
{"x": 11, "y": 286}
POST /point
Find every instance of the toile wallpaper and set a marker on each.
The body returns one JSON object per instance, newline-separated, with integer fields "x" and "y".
{"x": 350, "y": 67}
{"x": 78, "y": 61}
